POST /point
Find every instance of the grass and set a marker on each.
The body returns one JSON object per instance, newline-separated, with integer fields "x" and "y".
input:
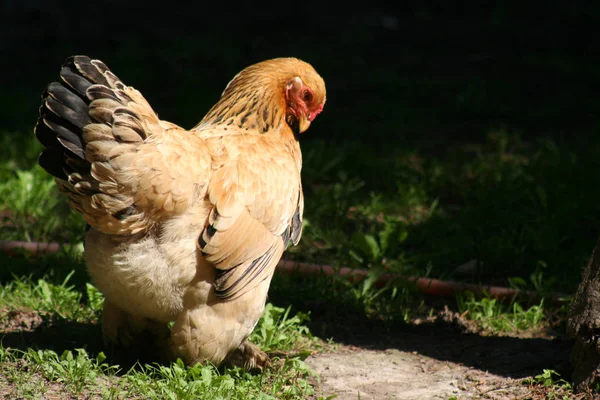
{"x": 51, "y": 372}
{"x": 46, "y": 374}
{"x": 31, "y": 207}
{"x": 62, "y": 300}
{"x": 490, "y": 315}
{"x": 551, "y": 386}
{"x": 523, "y": 211}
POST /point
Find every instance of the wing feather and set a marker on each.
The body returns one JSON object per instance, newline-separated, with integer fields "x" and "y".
{"x": 256, "y": 204}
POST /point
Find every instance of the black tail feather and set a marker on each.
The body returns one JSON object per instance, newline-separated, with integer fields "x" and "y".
{"x": 64, "y": 113}
{"x": 65, "y": 96}
{"x": 52, "y": 161}
{"x": 74, "y": 80}
{"x": 92, "y": 70}
{"x": 78, "y": 119}
{"x": 65, "y": 136}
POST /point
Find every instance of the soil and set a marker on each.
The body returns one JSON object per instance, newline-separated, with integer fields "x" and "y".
{"x": 394, "y": 374}
{"x": 356, "y": 373}
{"x": 442, "y": 357}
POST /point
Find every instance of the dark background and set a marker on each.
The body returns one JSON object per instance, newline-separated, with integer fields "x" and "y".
{"x": 417, "y": 76}
{"x": 416, "y": 71}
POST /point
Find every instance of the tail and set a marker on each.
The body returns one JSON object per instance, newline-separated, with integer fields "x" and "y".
{"x": 65, "y": 112}
{"x": 87, "y": 120}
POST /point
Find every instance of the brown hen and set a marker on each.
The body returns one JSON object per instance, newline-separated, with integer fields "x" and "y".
{"x": 185, "y": 225}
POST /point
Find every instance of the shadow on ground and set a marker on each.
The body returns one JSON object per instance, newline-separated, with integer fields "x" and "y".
{"x": 28, "y": 330}
{"x": 52, "y": 334}
{"x": 444, "y": 340}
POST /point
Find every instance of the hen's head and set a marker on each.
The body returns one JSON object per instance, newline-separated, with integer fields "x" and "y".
{"x": 282, "y": 89}
{"x": 305, "y": 95}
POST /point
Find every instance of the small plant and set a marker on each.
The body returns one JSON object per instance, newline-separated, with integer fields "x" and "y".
{"x": 61, "y": 300}
{"x": 95, "y": 299}
{"x": 278, "y": 330}
{"x": 177, "y": 381}
{"x": 35, "y": 210}
{"x": 554, "y": 386}
{"x": 492, "y": 315}
{"x": 75, "y": 371}
{"x": 550, "y": 377}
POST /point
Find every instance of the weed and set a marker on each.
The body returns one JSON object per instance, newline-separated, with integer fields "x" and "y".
{"x": 493, "y": 316}
{"x": 60, "y": 300}
{"x": 276, "y": 330}
{"x": 554, "y": 386}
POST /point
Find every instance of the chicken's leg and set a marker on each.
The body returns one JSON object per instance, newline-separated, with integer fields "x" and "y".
{"x": 249, "y": 356}
{"x": 140, "y": 338}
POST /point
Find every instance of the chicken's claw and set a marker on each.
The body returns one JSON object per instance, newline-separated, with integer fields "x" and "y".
{"x": 250, "y": 357}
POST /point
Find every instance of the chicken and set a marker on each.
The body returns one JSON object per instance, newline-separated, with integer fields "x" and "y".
{"x": 185, "y": 226}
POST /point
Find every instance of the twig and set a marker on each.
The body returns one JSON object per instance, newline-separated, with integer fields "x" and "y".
{"x": 427, "y": 286}
{"x": 13, "y": 247}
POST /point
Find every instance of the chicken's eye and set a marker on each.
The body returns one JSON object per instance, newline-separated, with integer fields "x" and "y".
{"x": 307, "y": 96}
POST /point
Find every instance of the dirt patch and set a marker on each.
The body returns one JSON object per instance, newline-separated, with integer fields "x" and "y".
{"x": 393, "y": 374}
{"x": 438, "y": 357}
{"x": 12, "y": 321}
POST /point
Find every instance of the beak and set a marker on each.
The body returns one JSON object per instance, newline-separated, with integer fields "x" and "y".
{"x": 303, "y": 124}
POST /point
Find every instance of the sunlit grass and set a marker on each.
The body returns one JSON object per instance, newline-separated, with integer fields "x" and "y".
{"x": 34, "y": 373}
